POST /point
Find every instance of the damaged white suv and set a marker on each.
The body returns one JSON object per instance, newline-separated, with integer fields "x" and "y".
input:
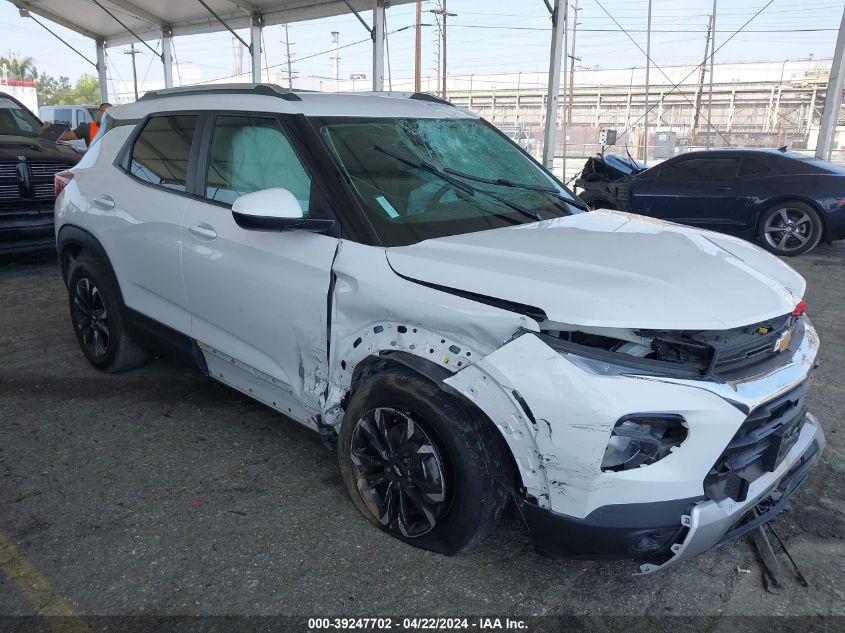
{"x": 396, "y": 274}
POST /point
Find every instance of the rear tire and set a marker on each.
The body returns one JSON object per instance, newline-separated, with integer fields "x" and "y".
{"x": 419, "y": 464}
{"x": 789, "y": 228}
{"x": 97, "y": 320}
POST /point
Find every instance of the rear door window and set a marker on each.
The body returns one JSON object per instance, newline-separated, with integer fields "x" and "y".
{"x": 700, "y": 168}
{"x": 161, "y": 151}
{"x": 250, "y": 153}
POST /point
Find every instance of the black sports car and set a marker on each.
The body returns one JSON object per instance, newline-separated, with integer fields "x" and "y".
{"x": 28, "y": 163}
{"x": 785, "y": 201}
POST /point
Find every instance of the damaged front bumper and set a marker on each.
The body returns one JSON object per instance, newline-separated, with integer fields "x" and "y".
{"x": 750, "y": 442}
{"x": 710, "y": 523}
{"x": 667, "y": 532}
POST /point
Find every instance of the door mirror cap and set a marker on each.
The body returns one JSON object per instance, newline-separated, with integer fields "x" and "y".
{"x": 269, "y": 204}
{"x": 276, "y": 210}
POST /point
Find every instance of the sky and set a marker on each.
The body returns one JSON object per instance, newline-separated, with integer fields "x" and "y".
{"x": 485, "y": 37}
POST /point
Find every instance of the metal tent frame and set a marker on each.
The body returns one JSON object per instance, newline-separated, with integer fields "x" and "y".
{"x": 118, "y": 22}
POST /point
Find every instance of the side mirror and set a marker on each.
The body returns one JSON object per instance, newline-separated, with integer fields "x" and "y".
{"x": 275, "y": 209}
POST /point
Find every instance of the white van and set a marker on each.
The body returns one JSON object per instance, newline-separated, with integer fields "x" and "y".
{"x": 70, "y": 115}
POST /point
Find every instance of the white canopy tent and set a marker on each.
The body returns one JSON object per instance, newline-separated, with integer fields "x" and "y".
{"x": 120, "y": 22}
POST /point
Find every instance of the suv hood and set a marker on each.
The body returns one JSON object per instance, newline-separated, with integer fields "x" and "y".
{"x": 611, "y": 269}
{"x": 33, "y": 148}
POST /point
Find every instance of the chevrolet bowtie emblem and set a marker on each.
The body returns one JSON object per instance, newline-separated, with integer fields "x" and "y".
{"x": 783, "y": 341}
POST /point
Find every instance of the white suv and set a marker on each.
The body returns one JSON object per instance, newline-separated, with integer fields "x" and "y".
{"x": 394, "y": 273}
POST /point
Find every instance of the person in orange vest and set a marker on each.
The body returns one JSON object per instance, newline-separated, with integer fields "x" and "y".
{"x": 86, "y": 131}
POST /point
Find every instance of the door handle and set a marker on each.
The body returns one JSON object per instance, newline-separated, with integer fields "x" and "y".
{"x": 203, "y": 231}
{"x": 104, "y": 202}
{"x": 723, "y": 188}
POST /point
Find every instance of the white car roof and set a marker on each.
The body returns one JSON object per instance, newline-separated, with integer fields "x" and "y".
{"x": 272, "y": 98}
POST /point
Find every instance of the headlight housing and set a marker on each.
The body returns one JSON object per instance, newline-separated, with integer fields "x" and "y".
{"x": 642, "y": 439}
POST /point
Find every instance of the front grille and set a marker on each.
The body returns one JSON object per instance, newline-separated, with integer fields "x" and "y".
{"x": 737, "y": 360}
{"x": 42, "y": 191}
{"x": 8, "y": 170}
{"x": 10, "y": 192}
{"x": 765, "y": 437}
{"x": 26, "y": 185}
{"x": 46, "y": 170}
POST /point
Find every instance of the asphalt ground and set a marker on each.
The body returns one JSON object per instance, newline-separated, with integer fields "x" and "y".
{"x": 160, "y": 491}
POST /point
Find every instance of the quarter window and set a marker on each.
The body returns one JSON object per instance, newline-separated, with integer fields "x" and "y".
{"x": 253, "y": 153}
{"x": 753, "y": 167}
{"x": 701, "y": 168}
{"x": 160, "y": 153}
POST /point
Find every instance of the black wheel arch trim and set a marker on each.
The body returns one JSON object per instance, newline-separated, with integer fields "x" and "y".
{"x": 144, "y": 329}
{"x": 71, "y": 235}
{"x": 436, "y": 374}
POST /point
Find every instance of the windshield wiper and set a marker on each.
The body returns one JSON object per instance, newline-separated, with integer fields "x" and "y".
{"x": 419, "y": 164}
{"x": 504, "y": 182}
{"x": 428, "y": 167}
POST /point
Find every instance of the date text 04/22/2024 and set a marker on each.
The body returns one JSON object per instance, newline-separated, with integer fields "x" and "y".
{"x": 417, "y": 623}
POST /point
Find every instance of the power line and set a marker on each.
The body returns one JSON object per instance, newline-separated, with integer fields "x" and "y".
{"x": 150, "y": 65}
{"x": 674, "y": 85}
{"x": 297, "y": 59}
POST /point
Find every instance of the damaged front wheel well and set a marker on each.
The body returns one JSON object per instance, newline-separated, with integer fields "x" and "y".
{"x": 505, "y": 461}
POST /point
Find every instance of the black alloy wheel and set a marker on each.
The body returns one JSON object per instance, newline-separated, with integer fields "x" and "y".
{"x": 95, "y": 304}
{"x": 399, "y": 472}
{"x": 90, "y": 317}
{"x": 421, "y": 465}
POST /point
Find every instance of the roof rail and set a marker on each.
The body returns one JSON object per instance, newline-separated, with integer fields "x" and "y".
{"x": 267, "y": 90}
{"x": 424, "y": 96}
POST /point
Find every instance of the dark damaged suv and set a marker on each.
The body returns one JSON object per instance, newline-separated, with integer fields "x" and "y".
{"x": 28, "y": 163}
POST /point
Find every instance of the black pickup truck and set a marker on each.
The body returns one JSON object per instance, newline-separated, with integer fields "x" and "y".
{"x": 28, "y": 162}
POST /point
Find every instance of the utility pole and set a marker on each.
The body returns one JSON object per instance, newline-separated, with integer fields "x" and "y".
{"x": 647, "y": 85}
{"x": 438, "y": 41}
{"x": 444, "y": 13}
{"x": 133, "y": 52}
{"x": 287, "y": 53}
{"x": 335, "y": 56}
{"x": 710, "y": 95}
{"x": 418, "y": 50}
{"x": 572, "y": 59}
{"x": 703, "y": 68}
{"x": 833, "y": 97}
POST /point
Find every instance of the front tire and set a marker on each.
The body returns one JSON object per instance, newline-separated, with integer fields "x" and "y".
{"x": 419, "y": 464}
{"x": 97, "y": 321}
{"x": 790, "y": 228}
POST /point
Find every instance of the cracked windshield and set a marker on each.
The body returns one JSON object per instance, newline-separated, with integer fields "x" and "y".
{"x": 424, "y": 178}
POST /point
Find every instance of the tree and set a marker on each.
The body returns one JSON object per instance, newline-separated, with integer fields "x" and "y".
{"x": 18, "y": 68}
{"x": 87, "y": 89}
{"x": 52, "y": 91}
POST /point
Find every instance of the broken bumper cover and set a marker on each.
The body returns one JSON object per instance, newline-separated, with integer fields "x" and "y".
{"x": 672, "y": 531}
